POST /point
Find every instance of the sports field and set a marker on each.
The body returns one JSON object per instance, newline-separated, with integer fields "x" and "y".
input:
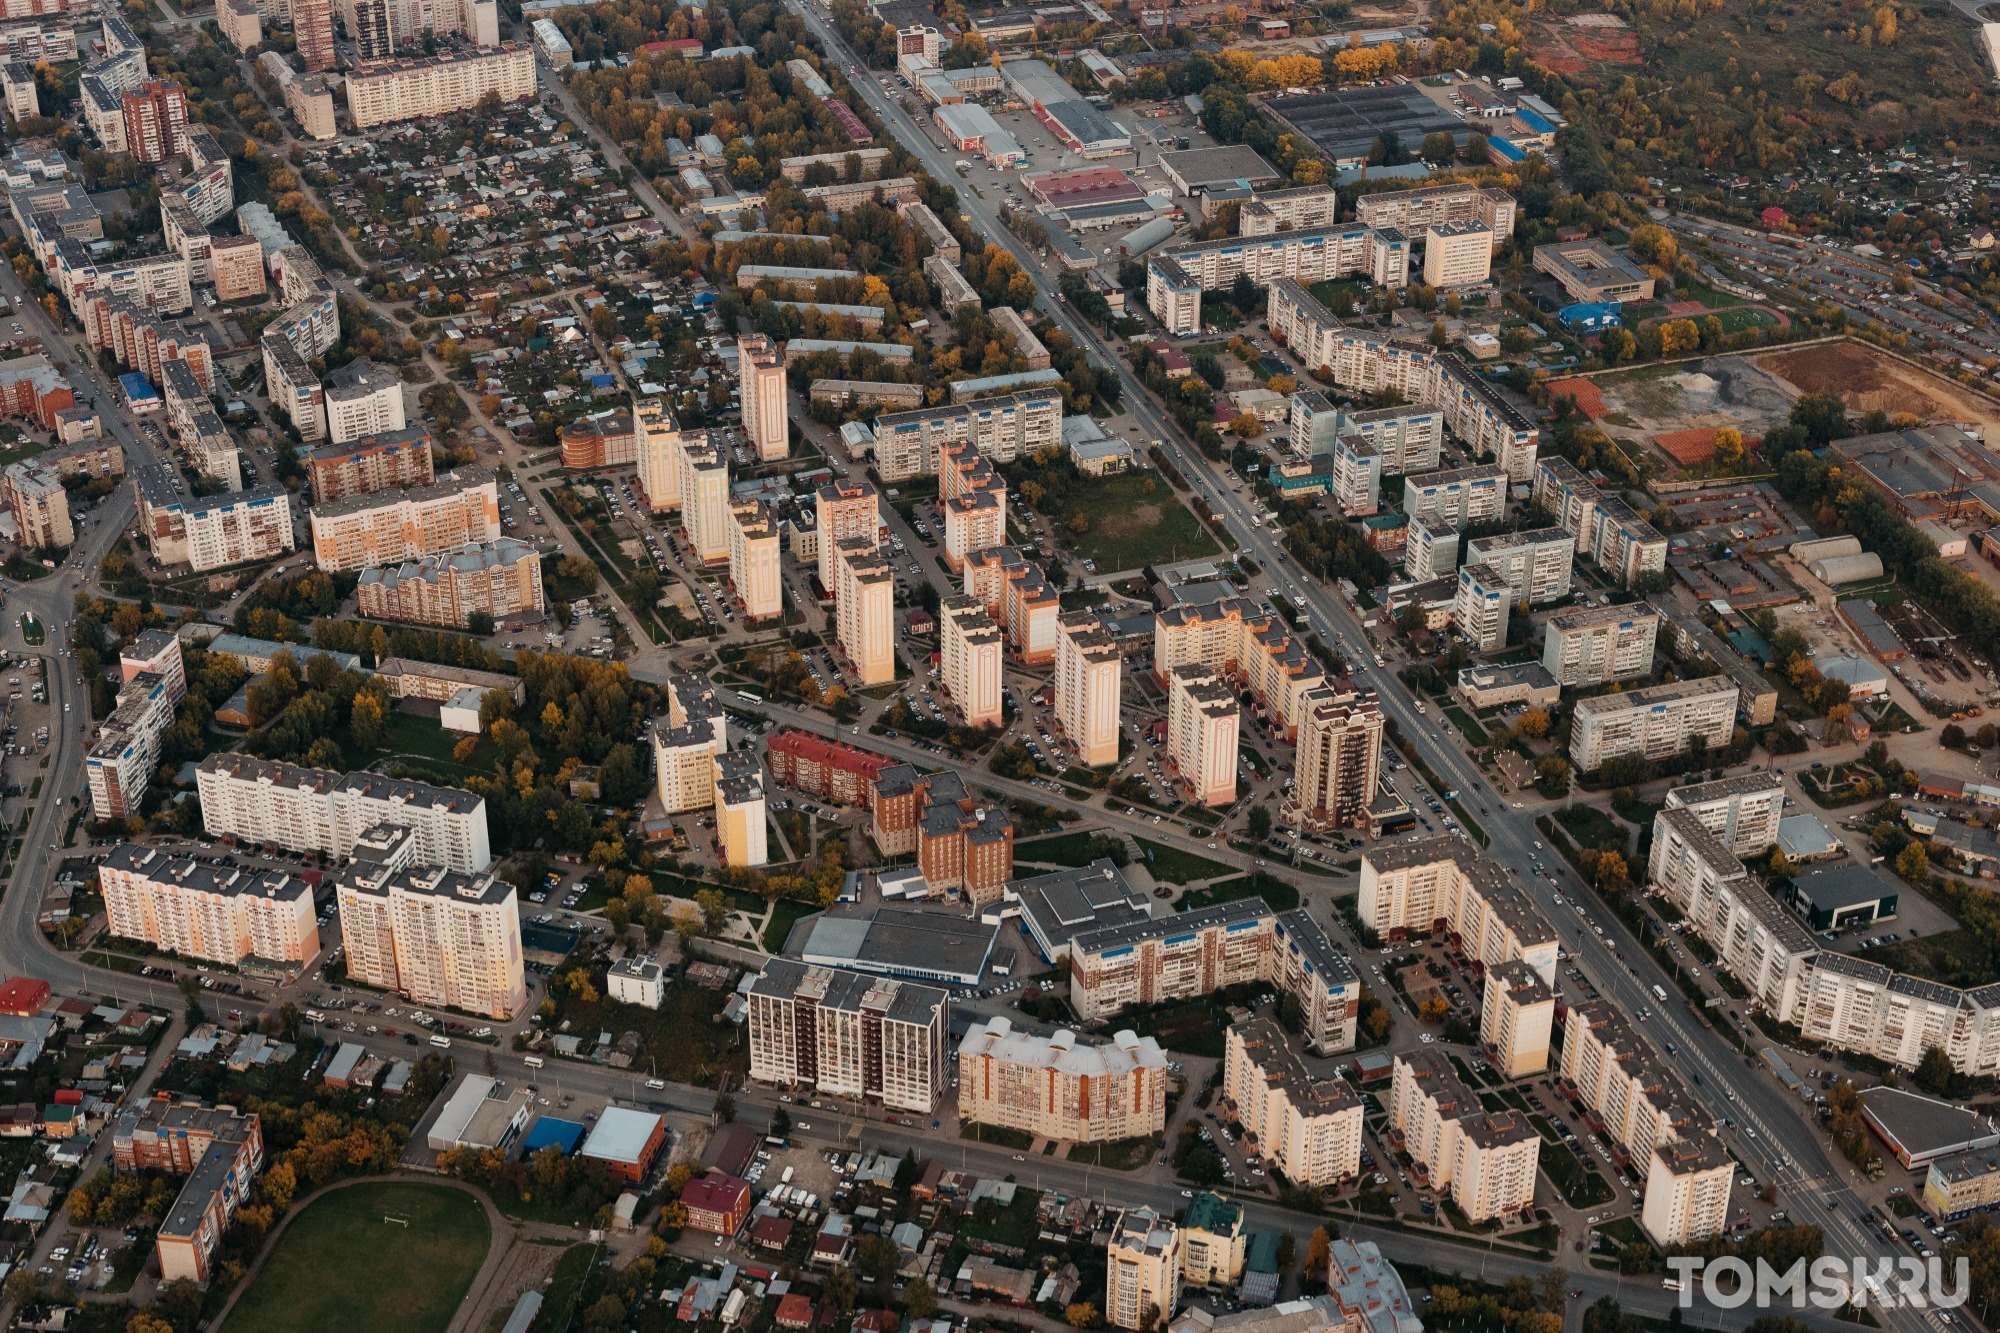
{"x": 392, "y": 1255}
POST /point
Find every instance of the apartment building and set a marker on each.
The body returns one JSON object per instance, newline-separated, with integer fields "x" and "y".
{"x": 1742, "y": 812}
{"x": 831, "y": 770}
{"x": 1407, "y": 439}
{"x": 1214, "y": 1244}
{"x": 1002, "y": 428}
{"x": 293, "y": 388}
{"x": 437, "y": 937}
{"x": 1430, "y": 550}
{"x": 1189, "y": 954}
{"x": 263, "y": 802}
{"x": 312, "y": 30}
{"x": 209, "y": 908}
{"x": 1251, "y": 646}
{"x": 498, "y": 579}
{"x": 1306, "y": 1126}
{"x": 389, "y": 527}
{"x": 40, "y": 506}
{"x": 687, "y": 742}
{"x": 1653, "y": 723}
{"x": 657, "y": 447}
{"x": 1357, "y": 476}
{"x": 869, "y": 161}
{"x": 704, "y": 499}
{"x": 606, "y": 439}
{"x": 1535, "y": 562}
{"x": 741, "y": 818}
{"x": 362, "y": 399}
{"x": 760, "y": 378}
{"x": 845, "y": 1034}
{"x": 943, "y": 244}
{"x": 1018, "y": 597}
{"x": 1597, "y": 644}
{"x": 219, "y": 1150}
{"x": 1482, "y": 604}
{"x": 1060, "y": 1087}
{"x": 1176, "y": 278}
{"x": 1457, "y": 496}
{"x": 1606, "y": 529}
{"x": 1089, "y": 679}
{"x": 393, "y": 90}
{"x": 974, "y": 499}
{"x": 156, "y": 120}
{"x": 964, "y": 849}
{"x": 1486, "y": 1160}
{"x": 1517, "y": 1019}
{"x": 1412, "y": 211}
{"x": 1337, "y": 766}
{"x": 120, "y": 763}
{"x": 845, "y": 510}
{"x": 1760, "y": 943}
{"x": 753, "y": 560}
{"x": 32, "y": 388}
{"x": 971, "y": 660}
{"x": 238, "y": 262}
{"x": 1457, "y": 254}
{"x": 1443, "y": 883}
{"x": 1963, "y": 1183}
{"x": 1302, "y": 209}
{"x": 1640, "y": 1101}
{"x": 213, "y": 531}
{"x": 392, "y": 461}
{"x": 1687, "y": 1192}
{"x": 848, "y": 195}
{"x": 864, "y": 594}
{"x": 1366, "y": 360}
{"x": 1202, "y": 734}
{"x": 1142, "y": 1270}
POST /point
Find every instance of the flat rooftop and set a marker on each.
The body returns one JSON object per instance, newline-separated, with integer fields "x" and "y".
{"x": 899, "y": 942}
{"x": 1919, "y": 1129}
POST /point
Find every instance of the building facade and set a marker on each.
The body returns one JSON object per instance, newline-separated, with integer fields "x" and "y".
{"x": 844, "y": 1034}
{"x": 1057, "y": 1087}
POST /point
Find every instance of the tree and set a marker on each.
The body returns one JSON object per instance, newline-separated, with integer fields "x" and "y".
{"x": 1319, "y": 1252}
{"x": 1288, "y": 1253}
{"x": 714, "y": 910}
{"x": 1552, "y": 776}
{"x": 1935, "y": 1072}
{"x": 877, "y": 1258}
{"x": 725, "y": 1109}
{"x": 1438, "y": 149}
{"x": 1434, "y": 1009}
{"x": 919, "y": 1299}
{"x": 840, "y": 1290}
{"x": 1534, "y": 723}
{"x": 1654, "y": 245}
{"x": 781, "y": 1123}
{"x": 367, "y": 722}
{"x": 1083, "y": 1314}
{"x": 1914, "y": 862}
{"x": 1612, "y": 874}
{"x": 1259, "y": 822}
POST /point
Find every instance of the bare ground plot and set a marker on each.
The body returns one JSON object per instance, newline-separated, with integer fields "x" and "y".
{"x": 1712, "y": 392}
{"x": 1865, "y": 379}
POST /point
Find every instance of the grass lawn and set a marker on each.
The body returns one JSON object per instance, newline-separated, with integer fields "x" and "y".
{"x": 1170, "y": 865}
{"x": 1580, "y": 1186}
{"x": 785, "y": 913}
{"x": 1277, "y": 895}
{"x": 1130, "y": 528}
{"x": 1066, "y": 849}
{"x": 1744, "y": 317}
{"x": 681, "y": 1035}
{"x": 1124, "y": 1155}
{"x": 1588, "y": 826}
{"x": 1475, "y": 733}
{"x": 998, "y": 1135}
{"x": 420, "y": 743}
{"x": 342, "y": 1264}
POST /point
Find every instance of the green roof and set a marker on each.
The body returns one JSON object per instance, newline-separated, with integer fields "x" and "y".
{"x": 1211, "y": 1212}
{"x": 1262, "y": 1254}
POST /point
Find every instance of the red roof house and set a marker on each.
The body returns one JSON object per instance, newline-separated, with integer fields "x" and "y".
{"x": 1774, "y": 217}
{"x": 24, "y": 997}
{"x": 794, "y": 1311}
{"x": 716, "y": 1203}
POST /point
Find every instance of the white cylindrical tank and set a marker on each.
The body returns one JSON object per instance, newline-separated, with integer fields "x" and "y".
{"x": 1836, "y": 570}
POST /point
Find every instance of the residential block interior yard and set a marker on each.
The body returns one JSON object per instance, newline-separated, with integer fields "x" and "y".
{"x": 885, "y": 666}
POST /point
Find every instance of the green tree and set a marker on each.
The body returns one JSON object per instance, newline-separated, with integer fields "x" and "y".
{"x": 1259, "y": 822}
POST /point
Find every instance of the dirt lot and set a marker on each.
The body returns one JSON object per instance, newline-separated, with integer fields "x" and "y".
{"x": 1866, "y": 379}
{"x": 1715, "y": 391}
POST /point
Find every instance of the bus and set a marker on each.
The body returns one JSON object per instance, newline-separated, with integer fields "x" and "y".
{"x": 1660, "y": 994}
{"x": 749, "y": 696}
{"x": 533, "y": 1061}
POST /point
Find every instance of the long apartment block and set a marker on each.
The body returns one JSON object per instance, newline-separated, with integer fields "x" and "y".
{"x": 119, "y": 766}
{"x": 1413, "y": 211}
{"x": 317, "y": 810}
{"x": 1061, "y": 1087}
{"x": 388, "y": 527}
{"x": 845, "y": 1034}
{"x": 1620, "y": 541}
{"x": 210, "y": 531}
{"x": 210, "y": 908}
{"x": 1237, "y": 638}
{"x": 1002, "y": 428}
{"x": 1535, "y": 562}
{"x": 500, "y": 579}
{"x": 1487, "y": 1160}
{"x": 1834, "y": 999}
{"x": 1176, "y": 278}
{"x": 1178, "y": 957}
{"x": 1443, "y": 883}
{"x": 1362, "y": 360}
{"x": 1307, "y": 1126}
{"x": 1595, "y": 645}
{"x": 1653, "y": 723}
{"x": 218, "y": 1149}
